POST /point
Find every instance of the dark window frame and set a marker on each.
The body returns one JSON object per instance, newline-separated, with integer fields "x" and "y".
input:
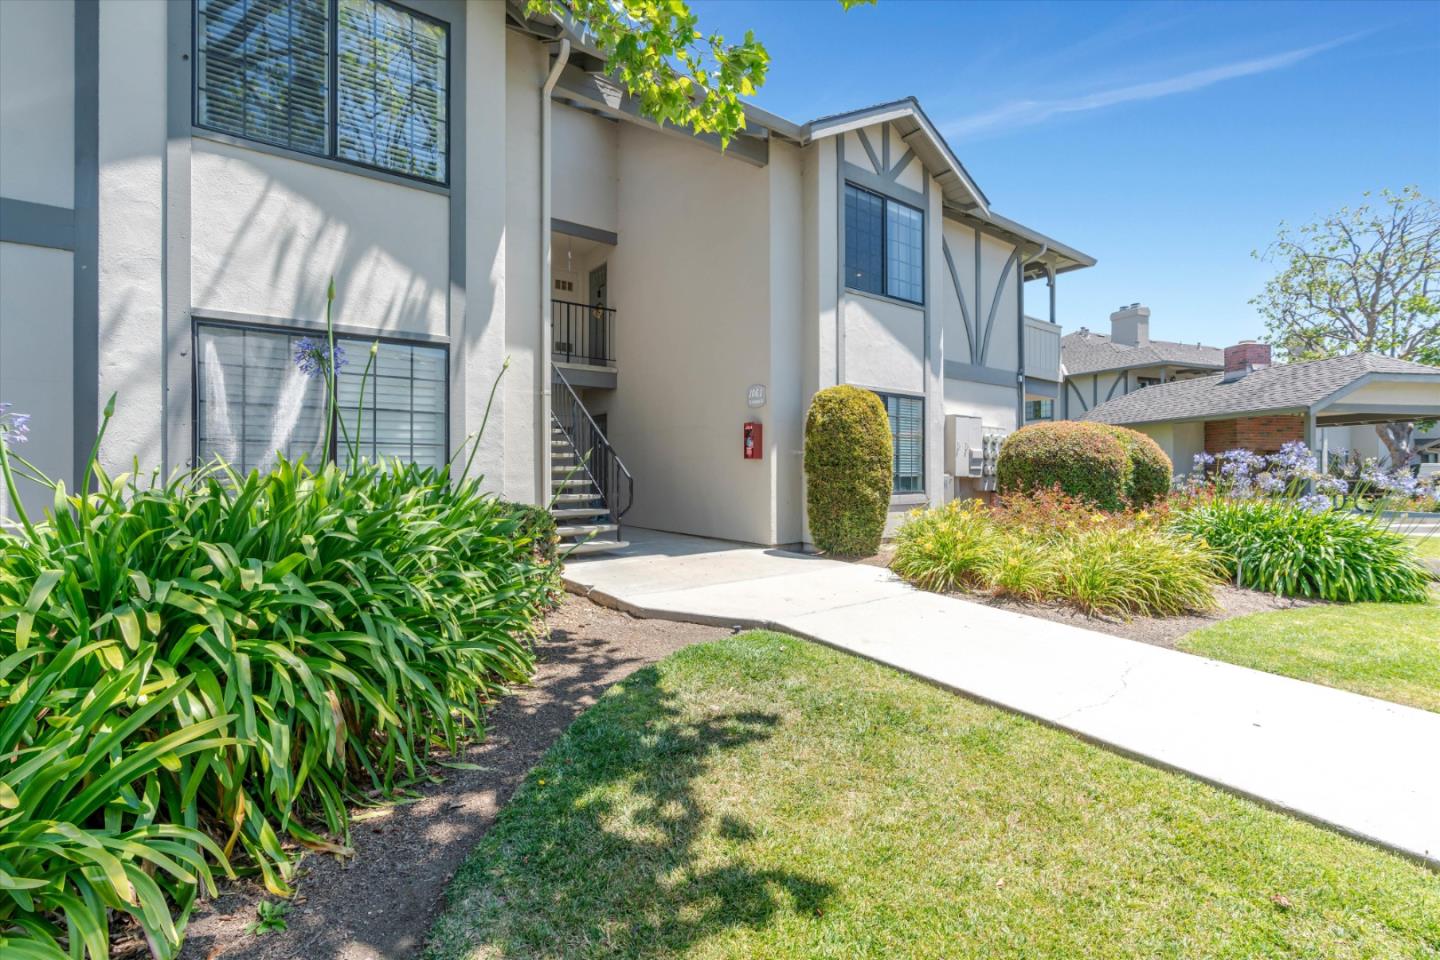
{"x": 885, "y": 397}
{"x": 884, "y": 291}
{"x": 294, "y": 330}
{"x": 332, "y": 74}
{"x": 1037, "y": 406}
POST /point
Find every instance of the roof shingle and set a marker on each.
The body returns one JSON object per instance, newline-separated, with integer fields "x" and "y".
{"x": 1290, "y": 386}
{"x": 1085, "y": 352}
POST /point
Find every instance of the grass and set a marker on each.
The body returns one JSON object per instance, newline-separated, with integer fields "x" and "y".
{"x": 1426, "y": 547}
{"x": 763, "y": 797}
{"x": 1385, "y": 650}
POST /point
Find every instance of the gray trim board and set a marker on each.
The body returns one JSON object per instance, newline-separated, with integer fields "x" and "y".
{"x": 85, "y": 322}
{"x": 329, "y": 163}
{"x": 884, "y": 148}
{"x": 1042, "y": 388}
{"x": 1122, "y": 378}
{"x": 571, "y": 229}
{"x": 974, "y": 373}
{"x": 869, "y": 150}
{"x": 959, "y": 294}
{"x": 177, "y": 373}
{"x": 457, "y": 170}
{"x": 1377, "y": 412}
{"x": 307, "y": 325}
{"x": 1020, "y": 337}
{"x": 1069, "y": 389}
{"x": 884, "y": 298}
{"x": 878, "y": 184}
{"x": 36, "y": 224}
{"x": 894, "y": 172}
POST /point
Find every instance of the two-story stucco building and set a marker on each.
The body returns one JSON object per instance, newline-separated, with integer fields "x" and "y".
{"x": 180, "y": 181}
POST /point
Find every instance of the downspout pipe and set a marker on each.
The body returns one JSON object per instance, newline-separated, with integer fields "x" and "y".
{"x": 1020, "y": 345}
{"x": 543, "y": 487}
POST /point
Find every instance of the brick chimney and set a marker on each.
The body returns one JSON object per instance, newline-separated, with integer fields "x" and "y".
{"x": 1245, "y": 356}
{"x": 1130, "y": 325}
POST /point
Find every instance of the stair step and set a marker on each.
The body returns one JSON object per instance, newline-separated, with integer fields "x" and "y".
{"x": 565, "y": 513}
{"x": 596, "y": 546}
{"x": 585, "y": 529}
{"x": 576, "y": 497}
{"x": 577, "y": 481}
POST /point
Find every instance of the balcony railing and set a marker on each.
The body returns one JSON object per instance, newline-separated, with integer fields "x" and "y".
{"x": 584, "y": 333}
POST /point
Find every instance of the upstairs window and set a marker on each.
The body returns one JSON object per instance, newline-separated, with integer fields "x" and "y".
{"x": 363, "y": 81}
{"x": 884, "y": 246}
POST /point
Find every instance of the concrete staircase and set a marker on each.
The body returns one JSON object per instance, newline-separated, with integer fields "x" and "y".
{"x": 583, "y": 521}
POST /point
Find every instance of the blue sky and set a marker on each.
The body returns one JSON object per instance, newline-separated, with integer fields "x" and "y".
{"x": 1167, "y": 140}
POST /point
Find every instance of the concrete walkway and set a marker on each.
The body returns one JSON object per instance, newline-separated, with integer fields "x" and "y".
{"x": 1360, "y": 765}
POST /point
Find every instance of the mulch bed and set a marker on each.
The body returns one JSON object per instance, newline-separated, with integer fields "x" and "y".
{"x": 382, "y": 902}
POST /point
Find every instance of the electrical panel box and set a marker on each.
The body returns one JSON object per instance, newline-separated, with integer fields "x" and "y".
{"x": 964, "y": 446}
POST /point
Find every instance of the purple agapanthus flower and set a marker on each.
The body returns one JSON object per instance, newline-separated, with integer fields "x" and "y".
{"x": 312, "y": 356}
{"x": 1314, "y": 502}
{"x": 14, "y": 427}
{"x": 1333, "y": 486}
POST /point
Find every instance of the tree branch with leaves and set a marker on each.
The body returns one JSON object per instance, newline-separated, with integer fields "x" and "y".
{"x": 1363, "y": 279}
{"x": 676, "y": 73}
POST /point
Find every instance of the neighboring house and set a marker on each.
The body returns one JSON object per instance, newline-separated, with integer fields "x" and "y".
{"x": 179, "y": 182}
{"x": 1251, "y": 404}
{"x": 1099, "y": 368}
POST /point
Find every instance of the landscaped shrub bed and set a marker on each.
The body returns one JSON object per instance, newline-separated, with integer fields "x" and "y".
{"x": 1053, "y": 547}
{"x": 1109, "y": 467}
{"x": 1287, "y": 547}
{"x": 197, "y": 675}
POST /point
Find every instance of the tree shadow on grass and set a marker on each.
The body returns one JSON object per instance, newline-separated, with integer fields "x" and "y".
{"x": 610, "y": 849}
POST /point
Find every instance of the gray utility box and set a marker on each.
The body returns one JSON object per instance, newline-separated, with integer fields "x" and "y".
{"x": 972, "y": 449}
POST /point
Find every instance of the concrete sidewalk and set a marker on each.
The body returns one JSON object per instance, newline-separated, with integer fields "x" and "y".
{"x": 1360, "y": 765}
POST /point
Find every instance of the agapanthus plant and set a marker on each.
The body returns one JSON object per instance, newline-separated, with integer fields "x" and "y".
{"x": 1294, "y": 473}
{"x": 14, "y": 426}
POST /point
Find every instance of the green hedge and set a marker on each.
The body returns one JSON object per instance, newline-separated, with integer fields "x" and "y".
{"x": 849, "y": 467}
{"x": 1112, "y": 467}
{"x": 1150, "y": 469}
{"x": 1084, "y": 459}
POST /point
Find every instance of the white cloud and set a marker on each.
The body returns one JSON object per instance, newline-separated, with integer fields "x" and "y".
{"x": 1024, "y": 113}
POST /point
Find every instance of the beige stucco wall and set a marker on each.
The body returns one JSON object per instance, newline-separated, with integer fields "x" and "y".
{"x": 584, "y": 168}
{"x": 269, "y": 232}
{"x": 130, "y": 263}
{"x": 1408, "y": 394}
{"x": 1180, "y": 441}
{"x": 686, "y": 356}
{"x": 784, "y": 414}
{"x": 884, "y": 344}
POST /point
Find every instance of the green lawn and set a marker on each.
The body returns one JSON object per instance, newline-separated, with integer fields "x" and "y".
{"x": 1427, "y": 546}
{"x": 761, "y": 797}
{"x": 1387, "y": 650}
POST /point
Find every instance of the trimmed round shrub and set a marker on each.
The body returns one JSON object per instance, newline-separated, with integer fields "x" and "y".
{"x": 848, "y": 470}
{"x": 1084, "y": 459}
{"x": 1283, "y": 547}
{"x": 1150, "y": 468}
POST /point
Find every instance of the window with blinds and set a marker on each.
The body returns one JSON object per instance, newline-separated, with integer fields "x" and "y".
{"x": 907, "y": 433}
{"x": 253, "y": 402}
{"x": 884, "y": 246}
{"x": 363, "y": 81}
{"x": 391, "y": 98}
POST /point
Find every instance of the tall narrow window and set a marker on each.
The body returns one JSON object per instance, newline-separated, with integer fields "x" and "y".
{"x": 391, "y": 97}
{"x": 864, "y": 240}
{"x": 907, "y": 433}
{"x": 884, "y": 246}
{"x": 262, "y": 69}
{"x": 254, "y": 402}
{"x": 363, "y": 81}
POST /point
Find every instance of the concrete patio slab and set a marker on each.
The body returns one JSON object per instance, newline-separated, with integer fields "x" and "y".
{"x": 1363, "y": 766}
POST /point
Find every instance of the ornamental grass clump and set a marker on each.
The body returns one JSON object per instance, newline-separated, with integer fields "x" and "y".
{"x": 1053, "y": 547}
{"x": 1287, "y": 548}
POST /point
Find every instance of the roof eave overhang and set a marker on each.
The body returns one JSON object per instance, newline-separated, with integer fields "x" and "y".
{"x": 1183, "y": 366}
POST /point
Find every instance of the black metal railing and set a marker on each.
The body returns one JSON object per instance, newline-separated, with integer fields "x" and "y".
{"x": 598, "y": 460}
{"x": 583, "y": 333}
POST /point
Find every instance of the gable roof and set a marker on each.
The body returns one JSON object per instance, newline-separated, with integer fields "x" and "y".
{"x": 1289, "y": 387}
{"x": 1088, "y": 352}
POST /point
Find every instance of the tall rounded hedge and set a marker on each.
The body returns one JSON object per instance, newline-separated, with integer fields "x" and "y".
{"x": 849, "y": 467}
{"x": 1110, "y": 466}
{"x": 1150, "y": 468}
